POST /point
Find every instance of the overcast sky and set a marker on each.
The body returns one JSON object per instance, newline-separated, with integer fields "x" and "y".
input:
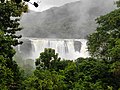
{"x": 46, "y": 4}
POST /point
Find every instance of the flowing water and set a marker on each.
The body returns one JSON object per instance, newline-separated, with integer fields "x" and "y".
{"x": 66, "y": 48}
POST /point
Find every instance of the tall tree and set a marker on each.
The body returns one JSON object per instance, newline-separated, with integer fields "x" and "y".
{"x": 105, "y": 42}
{"x": 10, "y": 12}
{"x": 47, "y": 59}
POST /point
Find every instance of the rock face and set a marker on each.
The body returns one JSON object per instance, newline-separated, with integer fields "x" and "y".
{"x": 72, "y": 20}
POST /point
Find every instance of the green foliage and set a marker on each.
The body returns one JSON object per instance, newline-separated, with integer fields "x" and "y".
{"x": 82, "y": 74}
{"x": 48, "y": 59}
{"x": 93, "y": 74}
{"x": 105, "y": 43}
{"x": 6, "y": 75}
{"x": 9, "y": 25}
{"x": 90, "y": 74}
{"x": 10, "y": 76}
{"x": 118, "y": 3}
{"x": 45, "y": 80}
{"x": 102, "y": 72}
{"x": 10, "y": 11}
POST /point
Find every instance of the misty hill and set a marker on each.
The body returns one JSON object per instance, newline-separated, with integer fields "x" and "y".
{"x": 72, "y": 20}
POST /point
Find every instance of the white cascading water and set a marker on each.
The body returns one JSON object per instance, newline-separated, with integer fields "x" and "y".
{"x": 64, "y": 47}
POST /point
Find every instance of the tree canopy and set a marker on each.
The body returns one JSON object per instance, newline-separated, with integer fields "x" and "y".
{"x": 100, "y": 72}
{"x": 10, "y": 12}
{"x": 105, "y": 42}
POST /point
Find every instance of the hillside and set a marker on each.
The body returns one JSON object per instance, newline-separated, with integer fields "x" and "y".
{"x": 72, "y": 20}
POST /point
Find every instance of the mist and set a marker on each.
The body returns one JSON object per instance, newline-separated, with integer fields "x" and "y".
{"x": 72, "y": 20}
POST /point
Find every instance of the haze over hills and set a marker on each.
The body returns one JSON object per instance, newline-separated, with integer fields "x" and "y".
{"x": 72, "y": 20}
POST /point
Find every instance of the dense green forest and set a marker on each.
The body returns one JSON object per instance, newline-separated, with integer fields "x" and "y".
{"x": 99, "y": 72}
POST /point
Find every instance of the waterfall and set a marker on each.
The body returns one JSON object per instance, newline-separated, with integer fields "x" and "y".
{"x": 69, "y": 49}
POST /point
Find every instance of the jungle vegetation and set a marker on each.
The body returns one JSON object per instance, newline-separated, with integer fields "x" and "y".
{"x": 99, "y": 72}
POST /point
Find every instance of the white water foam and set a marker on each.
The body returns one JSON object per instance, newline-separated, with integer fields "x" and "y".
{"x": 64, "y": 47}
